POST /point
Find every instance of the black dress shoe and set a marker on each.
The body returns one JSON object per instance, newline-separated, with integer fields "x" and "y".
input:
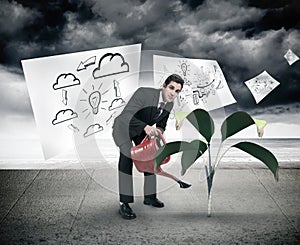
{"x": 154, "y": 202}
{"x": 126, "y": 212}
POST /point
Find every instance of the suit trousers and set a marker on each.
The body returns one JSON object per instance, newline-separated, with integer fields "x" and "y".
{"x": 125, "y": 177}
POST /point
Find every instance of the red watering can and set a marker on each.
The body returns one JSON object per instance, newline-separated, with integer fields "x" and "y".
{"x": 143, "y": 157}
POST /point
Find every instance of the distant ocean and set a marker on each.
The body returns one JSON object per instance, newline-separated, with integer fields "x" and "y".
{"x": 27, "y": 154}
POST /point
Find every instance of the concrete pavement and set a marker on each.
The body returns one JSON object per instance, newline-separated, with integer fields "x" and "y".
{"x": 73, "y": 207}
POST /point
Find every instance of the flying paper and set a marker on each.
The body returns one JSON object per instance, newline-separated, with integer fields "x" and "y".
{"x": 77, "y": 94}
{"x": 261, "y": 85}
{"x": 204, "y": 83}
{"x": 291, "y": 57}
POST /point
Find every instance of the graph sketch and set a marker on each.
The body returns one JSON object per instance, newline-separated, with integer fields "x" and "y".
{"x": 205, "y": 85}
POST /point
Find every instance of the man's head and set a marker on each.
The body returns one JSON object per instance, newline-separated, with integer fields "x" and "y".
{"x": 172, "y": 87}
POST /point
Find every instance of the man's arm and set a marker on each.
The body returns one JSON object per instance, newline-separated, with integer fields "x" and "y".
{"x": 135, "y": 104}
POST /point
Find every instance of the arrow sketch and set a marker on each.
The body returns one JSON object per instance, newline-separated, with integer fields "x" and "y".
{"x": 64, "y": 97}
{"x": 85, "y": 64}
{"x": 117, "y": 88}
{"x": 109, "y": 120}
{"x": 73, "y": 128}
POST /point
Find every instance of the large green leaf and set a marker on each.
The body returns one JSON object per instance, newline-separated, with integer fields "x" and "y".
{"x": 235, "y": 123}
{"x": 190, "y": 156}
{"x": 260, "y": 153}
{"x": 203, "y": 122}
{"x": 172, "y": 148}
{"x": 168, "y": 150}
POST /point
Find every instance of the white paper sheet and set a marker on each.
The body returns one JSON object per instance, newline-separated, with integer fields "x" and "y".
{"x": 261, "y": 85}
{"x": 291, "y": 57}
{"x": 78, "y": 94}
{"x": 205, "y": 85}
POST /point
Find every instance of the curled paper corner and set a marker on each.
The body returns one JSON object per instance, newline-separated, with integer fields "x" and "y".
{"x": 260, "y": 125}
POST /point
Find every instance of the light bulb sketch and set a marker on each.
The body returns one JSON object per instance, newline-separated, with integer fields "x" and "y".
{"x": 184, "y": 68}
{"x": 94, "y": 101}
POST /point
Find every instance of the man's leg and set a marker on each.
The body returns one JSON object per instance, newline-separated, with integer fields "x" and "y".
{"x": 149, "y": 185}
{"x": 150, "y": 191}
{"x": 125, "y": 174}
{"x": 125, "y": 182}
{"x": 149, "y": 178}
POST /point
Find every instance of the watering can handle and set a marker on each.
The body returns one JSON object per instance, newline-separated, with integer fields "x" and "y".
{"x": 147, "y": 137}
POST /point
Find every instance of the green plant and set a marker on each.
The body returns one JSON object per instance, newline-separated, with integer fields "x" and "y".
{"x": 204, "y": 124}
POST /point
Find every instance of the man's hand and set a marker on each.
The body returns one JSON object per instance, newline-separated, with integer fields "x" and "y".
{"x": 151, "y": 131}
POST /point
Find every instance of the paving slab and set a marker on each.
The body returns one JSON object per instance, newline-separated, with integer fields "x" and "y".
{"x": 47, "y": 209}
{"x": 72, "y": 207}
{"x": 13, "y": 184}
{"x": 285, "y": 193}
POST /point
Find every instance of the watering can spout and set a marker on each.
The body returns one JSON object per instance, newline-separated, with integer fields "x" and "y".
{"x": 183, "y": 184}
{"x": 143, "y": 158}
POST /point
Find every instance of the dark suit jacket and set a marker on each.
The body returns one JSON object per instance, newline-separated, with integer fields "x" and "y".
{"x": 138, "y": 113}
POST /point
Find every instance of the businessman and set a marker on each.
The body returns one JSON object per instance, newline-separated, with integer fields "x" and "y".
{"x": 145, "y": 113}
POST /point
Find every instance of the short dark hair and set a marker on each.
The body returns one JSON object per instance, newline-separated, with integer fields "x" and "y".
{"x": 175, "y": 78}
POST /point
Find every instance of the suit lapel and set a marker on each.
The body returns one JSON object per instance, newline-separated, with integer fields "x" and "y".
{"x": 167, "y": 109}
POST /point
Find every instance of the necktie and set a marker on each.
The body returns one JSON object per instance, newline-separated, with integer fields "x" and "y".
{"x": 159, "y": 110}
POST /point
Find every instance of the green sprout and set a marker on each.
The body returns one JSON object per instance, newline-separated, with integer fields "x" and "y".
{"x": 204, "y": 124}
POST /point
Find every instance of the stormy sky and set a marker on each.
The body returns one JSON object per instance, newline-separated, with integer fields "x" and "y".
{"x": 245, "y": 37}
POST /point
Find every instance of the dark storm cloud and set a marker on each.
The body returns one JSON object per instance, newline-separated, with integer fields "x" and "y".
{"x": 245, "y": 37}
{"x": 136, "y": 21}
{"x": 280, "y": 13}
{"x": 13, "y": 19}
{"x": 36, "y": 27}
{"x": 192, "y": 3}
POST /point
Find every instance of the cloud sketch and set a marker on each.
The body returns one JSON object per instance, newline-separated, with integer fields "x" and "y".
{"x": 93, "y": 129}
{"x": 66, "y": 80}
{"x": 64, "y": 115}
{"x": 116, "y": 103}
{"x": 110, "y": 64}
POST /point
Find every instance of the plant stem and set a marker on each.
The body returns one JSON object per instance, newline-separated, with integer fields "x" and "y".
{"x": 209, "y": 204}
{"x": 209, "y": 159}
{"x": 210, "y": 175}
